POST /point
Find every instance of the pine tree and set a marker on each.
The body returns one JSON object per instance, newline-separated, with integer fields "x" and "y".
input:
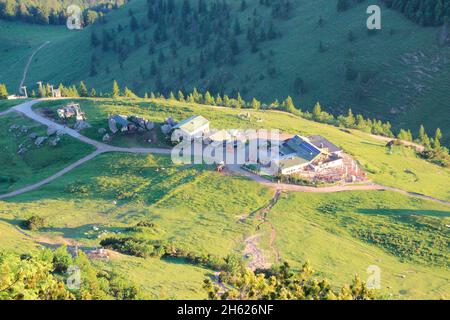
{"x": 288, "y": 105}
{"x": 3, "y": 91}
{"x": 115, "y": 90}
{"x": 219, "y": 100}
{"x": 256, "y": 104}
{"x": 128, "y": 93}
{"x": 209, "y": 99}
{"x": 437, "y": 138}
{"x": 134, "y": 25}
{"x": 181, "y": 96}
{"x": 350, "y": 119}
{"x": 82, "y": 89}
{"x": 240, "y": 101}
{"x": 423, "y": 137}
{"x": 317, "y": 112}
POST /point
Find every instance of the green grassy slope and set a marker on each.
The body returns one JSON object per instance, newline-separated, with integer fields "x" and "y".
{"x": 199, "y": 209}
{"x": 36, "y": 163}
{"x": 195, "y": 207}
{"x": 401, "y": 168}
{"x": 402, "y": 72}
{"x": 190, "y": 205}
{"x": 6, "y": 104}
{"x": 327, "y": 230}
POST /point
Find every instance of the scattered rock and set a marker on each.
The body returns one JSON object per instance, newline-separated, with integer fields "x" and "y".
{"x": 40, "y": 140}
{"x": 21, "y": 151}
{"x": 106, "y": 138}
{"x": 33, "y": 136}
{"x": 51, "y": 131}
{"x": 166, "y": 129}
{"x": 55, "y": 142}
{"x": 81, "y": 125}
{"x": 102, "y": 131}
{"x": 24, "y": 129}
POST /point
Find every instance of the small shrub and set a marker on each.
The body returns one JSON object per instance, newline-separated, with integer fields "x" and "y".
{"x": 34, "y": 223}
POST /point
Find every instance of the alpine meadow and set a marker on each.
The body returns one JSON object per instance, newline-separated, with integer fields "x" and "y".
{"x": 224, "y": 150}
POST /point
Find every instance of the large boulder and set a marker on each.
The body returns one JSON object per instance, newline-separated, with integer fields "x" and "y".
{"x": 51, "y": 131}
{"x": 102, "y": 131}
{"x": 54, "y": 142}
{"x": 112, "y": 125}
{"x": 166, "y": 129}
{"x": 81, "y": 125}
{"x": 39, "y": 141}
{"x": 33, "y": 136}
{"x": 106, "y": 138}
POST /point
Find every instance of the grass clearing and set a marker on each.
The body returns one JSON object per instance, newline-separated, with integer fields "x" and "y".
{"x": 162, "y": 279}
{"x": 193, "y": 205}
{"x": 36, "y": 163}
{"x": 328, "y": 230}
{"x": 7, "y": 104}
{"x": 199, "y": 209}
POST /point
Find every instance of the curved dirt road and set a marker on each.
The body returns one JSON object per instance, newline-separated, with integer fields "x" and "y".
{"x": 26, "y": 109}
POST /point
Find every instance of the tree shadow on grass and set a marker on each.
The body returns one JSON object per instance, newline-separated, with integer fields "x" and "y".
{"x": 14, "y": 222}
{"x": 405, "y": 212}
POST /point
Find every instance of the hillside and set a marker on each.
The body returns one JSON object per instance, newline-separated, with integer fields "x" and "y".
{"x": 203, "y": 216}
{"x": 54, "y": 11}
{"x": 398, "y": 167}
{"x": 201, "y": 210}
{"x": 270, "y": 49}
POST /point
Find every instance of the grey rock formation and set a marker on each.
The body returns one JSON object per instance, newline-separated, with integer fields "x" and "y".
{"x": 39, "y": 141}
{"x": 51, "y": 131}
{"x": 81, "y": 125}
{"x": 33, "y": 136}
{"x": 106, "y": 138}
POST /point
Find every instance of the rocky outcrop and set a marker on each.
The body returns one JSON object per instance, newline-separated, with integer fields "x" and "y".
{"x": 106, "y": 138}
{"x": 81, "y": 125}
{"x": 51, "y": 131}
{"x": 40, "y": 140}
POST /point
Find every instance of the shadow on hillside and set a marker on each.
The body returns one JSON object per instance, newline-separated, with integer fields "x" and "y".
{"x": 14, "y": 222}
{"x": 405, "y": 212}
{"x": 374, "y": 144}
